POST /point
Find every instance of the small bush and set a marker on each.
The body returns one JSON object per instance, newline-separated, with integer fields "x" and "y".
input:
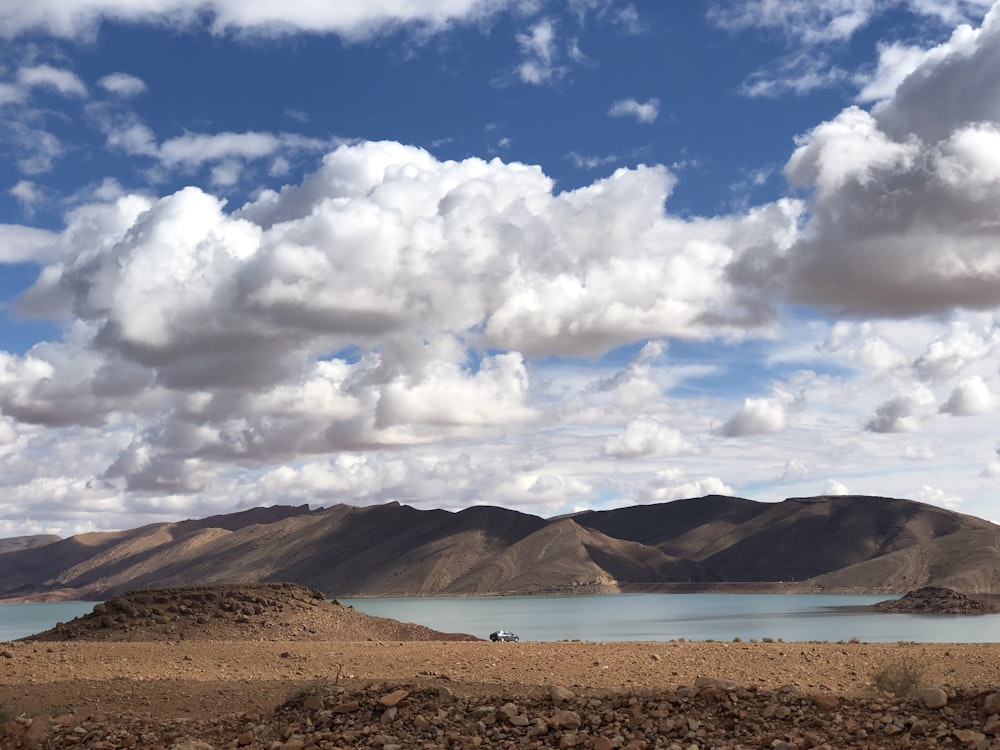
{"x": 902, "y": 678}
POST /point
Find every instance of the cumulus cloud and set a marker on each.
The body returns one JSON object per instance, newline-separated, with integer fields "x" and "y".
{"x": 675, "y": 484}
{"x": 951, "y": 353}
{"x": 833, "y": 487}
{"x": 407, "y": 260}
{"x": 863, "y": 346}
{"x": 645, "y": 112}
{"x": 645, "y": 437}
{"x": 350, "y": 18}
{"x": 936, "y": 496}
{"x": 757, "y": 416}
{"x": 972, "y": 396}
{"x": 901, "y": 413}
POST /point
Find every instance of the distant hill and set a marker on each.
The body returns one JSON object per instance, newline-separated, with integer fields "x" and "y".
{"x": 14, "y": 543}
{"x": 820, "y": 543}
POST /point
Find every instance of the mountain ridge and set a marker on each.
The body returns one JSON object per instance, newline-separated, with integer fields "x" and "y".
{"x": 823, "y": 543}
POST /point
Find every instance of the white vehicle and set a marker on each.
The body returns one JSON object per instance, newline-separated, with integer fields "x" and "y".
{"x": 503, "y": 635}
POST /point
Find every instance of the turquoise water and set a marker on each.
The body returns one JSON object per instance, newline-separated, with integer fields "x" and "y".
{"x": 627, "y": 617}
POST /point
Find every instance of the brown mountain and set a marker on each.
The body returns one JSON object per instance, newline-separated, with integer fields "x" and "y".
{"x": 967, "y": 561}
{"x": 797, "y": 539}
{"x": 396, "y": 550}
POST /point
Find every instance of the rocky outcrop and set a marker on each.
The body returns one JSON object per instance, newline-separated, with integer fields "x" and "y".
{"x": 271, "y": 611}
{"x": 937, "y": 600}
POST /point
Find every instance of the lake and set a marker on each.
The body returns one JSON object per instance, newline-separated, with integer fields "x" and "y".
{"x": 627, "y": 617}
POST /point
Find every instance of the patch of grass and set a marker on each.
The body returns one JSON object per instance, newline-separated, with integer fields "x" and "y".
{"x": 902, "y": 678}
{"x": 5, "y": 714}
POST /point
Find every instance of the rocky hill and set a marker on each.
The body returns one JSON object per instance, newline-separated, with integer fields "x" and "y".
{"x": 276, "y": 612}
{"x": 821, "y": 543}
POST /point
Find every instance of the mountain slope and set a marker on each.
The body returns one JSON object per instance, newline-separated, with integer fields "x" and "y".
{"x": 397, "y": 550}
{"x": 799, "y": 538}
{"x": 966, "y": 561}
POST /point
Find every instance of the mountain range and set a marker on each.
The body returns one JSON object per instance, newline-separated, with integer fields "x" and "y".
{"x": 713, "y": 543}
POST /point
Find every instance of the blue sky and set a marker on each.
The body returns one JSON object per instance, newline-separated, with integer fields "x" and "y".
{"x": 546, "y": 254}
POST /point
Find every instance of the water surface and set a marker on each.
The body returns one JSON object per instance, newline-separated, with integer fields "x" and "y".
{"x": 627, "y": 617}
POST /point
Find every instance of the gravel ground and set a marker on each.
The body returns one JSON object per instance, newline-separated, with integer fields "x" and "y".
{"x": 205, "y": 678}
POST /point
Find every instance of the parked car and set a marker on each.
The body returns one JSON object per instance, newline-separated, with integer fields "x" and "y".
{"x": 503, "y": 635}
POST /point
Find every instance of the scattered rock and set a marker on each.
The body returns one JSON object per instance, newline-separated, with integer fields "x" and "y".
{"x": 499, "y": 718}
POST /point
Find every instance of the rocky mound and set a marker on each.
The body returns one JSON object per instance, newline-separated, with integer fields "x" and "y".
{"x": 266, "y": 611}
{"x": 937, "y": 600}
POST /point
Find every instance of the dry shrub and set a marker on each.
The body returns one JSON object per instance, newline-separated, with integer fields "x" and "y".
{"x": 902, "y": 678}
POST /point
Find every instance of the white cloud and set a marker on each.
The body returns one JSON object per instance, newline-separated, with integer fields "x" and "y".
{"x": 863, "y": 346}
{"x": 807, "y": 20}
{"x": 646, "y": 437}
{"x": 972, "y": 396}
{"x": 408, "y": 259}
{"x": 896, "y": 61}
{"x": 957, "y": 349}
{"x": 901, "y": 413}
{"x": 350, "y": 18}
{"x": 757, "y": 416}
{"x": 675, "y": 484}
{"x": 902, "y": 217}
{"x": 28, "y": 194}
{"x": 797, "y": 74}
{"x": 539, "y": 49}
{"x": 833, "y": 487}
{"x": 825, "y": 21}
{"x": 63, "y": 81}
{"x": 935, "y": 496}
{"x": 644, "y": 112}
{"x": 20, "y": 243}
{"x": 123, "y": 85}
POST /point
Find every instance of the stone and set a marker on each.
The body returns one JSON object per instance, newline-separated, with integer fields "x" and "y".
{"x": 992, "y": 704}
{"x": 603, "y": 743}
{"x": 933, "y": 697}
{"x": 559, "y": 694}
{"x": 715, "y": 682}
{"x": 508, "y": 711}
{"x": 393, "y": 698}
{"x": 824, "y": 703}
{"x": 35, "y": 735}
{"x": 312, "y": 703}
{"x": 565, "y": 720}
{"x": 968, "y": 736}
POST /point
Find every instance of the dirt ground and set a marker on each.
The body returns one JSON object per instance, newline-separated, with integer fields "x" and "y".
{"x": 200, "y": 679}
